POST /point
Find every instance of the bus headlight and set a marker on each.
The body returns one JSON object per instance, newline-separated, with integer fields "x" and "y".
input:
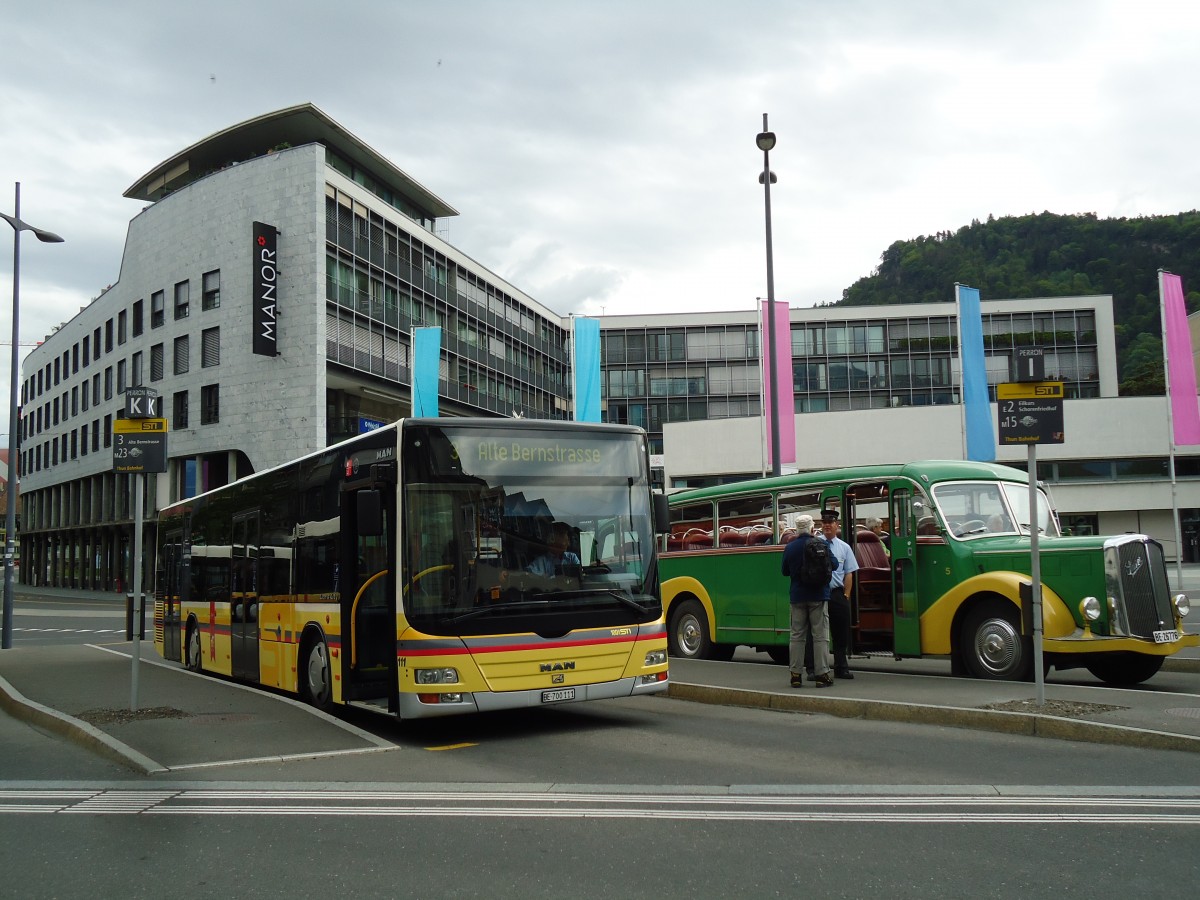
{"x": 1089, "y": 608}
{"x": 436, "y": 676}
{"x": 658, "y": 657}
{"x": 1182, "y": 605}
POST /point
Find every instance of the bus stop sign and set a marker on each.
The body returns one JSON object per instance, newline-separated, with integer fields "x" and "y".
{"x": 1030, "y": 413}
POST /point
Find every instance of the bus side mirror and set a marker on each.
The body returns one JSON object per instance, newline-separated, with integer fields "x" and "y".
{"x": 662, "y": 514}
{"x": 369, "y": 513}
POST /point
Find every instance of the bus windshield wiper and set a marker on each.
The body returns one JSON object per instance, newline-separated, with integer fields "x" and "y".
{"x": 497, "y": 607}
{"x": 627, "y": 601}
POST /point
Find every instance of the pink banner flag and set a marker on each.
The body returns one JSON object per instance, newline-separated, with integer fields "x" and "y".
{"x": 783, "y": 378}
{"x": 1181, "y": 368}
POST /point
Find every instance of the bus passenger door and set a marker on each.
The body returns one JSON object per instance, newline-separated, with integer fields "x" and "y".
{"x": 243, "y": 596}
{"x": 169, "y": 594}
{"x": 906, "y": 613}
{"x": 368, "y": 613}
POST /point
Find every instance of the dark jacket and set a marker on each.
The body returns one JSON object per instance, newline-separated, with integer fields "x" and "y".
{"x": 793, "y": 562}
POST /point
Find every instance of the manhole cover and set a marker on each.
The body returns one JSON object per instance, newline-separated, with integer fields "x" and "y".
{"x": 1188, "y": 712}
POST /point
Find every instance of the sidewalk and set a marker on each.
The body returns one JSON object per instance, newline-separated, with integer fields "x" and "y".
{"x": 183, "y": 720}
{"x": 922, "y": 691}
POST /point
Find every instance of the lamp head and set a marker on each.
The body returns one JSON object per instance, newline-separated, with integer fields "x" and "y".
{"x": 765, "y": 141}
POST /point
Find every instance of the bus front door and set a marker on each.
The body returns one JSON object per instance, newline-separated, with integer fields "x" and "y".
{"x": 905, "y": 612}
{"x": 369, "y": 660}
{"x": 243, "y": 606}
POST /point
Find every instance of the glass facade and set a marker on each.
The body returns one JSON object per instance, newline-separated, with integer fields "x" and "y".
{"x": 887, "y": 358}
{"x": 499, "y": 356}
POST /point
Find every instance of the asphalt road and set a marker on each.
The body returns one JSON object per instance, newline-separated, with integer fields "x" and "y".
{"x": 631, "y": 798}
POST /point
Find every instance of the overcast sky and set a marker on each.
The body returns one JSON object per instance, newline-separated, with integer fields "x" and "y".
{"x": 601, "y": 154}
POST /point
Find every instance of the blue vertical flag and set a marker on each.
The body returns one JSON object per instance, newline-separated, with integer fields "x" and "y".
{"x": 586, "y": 335}
{"x": 981, "y": 437}
{"x": 427, "y": 352}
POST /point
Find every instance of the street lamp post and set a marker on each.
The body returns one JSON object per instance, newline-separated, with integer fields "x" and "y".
{"x": 10, "y": 518}
{"x": 766, "y": 141}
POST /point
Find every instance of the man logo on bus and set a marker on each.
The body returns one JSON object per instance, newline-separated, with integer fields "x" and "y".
{"x": 556, "y": 667}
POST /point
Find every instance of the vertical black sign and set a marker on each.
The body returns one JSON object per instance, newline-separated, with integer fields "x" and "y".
{"x": 265, "y": 290}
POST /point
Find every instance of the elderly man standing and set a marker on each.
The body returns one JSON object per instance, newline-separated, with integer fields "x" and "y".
{"x": 845, "y": 565}
{"x": 809, "y": 568}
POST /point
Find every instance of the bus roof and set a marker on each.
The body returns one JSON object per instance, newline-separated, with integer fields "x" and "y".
{"x": 924, "y": 472}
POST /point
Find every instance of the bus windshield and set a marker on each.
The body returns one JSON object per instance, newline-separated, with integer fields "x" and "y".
{"x": 976, "y": 508}
{"x": 507, "y": 525}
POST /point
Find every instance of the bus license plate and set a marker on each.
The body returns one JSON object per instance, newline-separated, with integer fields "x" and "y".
{"x": 558, "y": 696}
{"x": 1166, "y": 637}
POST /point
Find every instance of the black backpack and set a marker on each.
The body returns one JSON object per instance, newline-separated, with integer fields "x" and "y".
{"x": 816, "y": 565}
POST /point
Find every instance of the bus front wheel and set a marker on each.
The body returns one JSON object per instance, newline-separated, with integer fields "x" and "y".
{"x": 992, "y": 644}
{"x": 688, "y": 635}
{"x": 318, "y": 687}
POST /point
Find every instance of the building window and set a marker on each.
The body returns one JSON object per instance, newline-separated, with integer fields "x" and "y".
{"x": 83, "y": 390}
{"x": 157, "y": 309}
{"x": 96, "y": 436}
{"x": 138, "y": 374}
{"x": 210, "y": 347}
{"x": 87, "y": 357}
{"x": 210, "y": 404}
{"x": 179, "y": 418}
{"x": 108, "y": 382}
{"x": 122, "y": 327}
{"x": 121, "y": 382}
{"x": 108, "y": 339}
{"x": 83, "y": 439}
{"x": 211, "y": 287}
{"x": 156, "y": 362}
{"x": 138, "y": 312}
{"x": 182, "y": 293}
{"x": 181, "y": 355}
{"x": 107, "y": 431}
{"x": 96, "y": 343}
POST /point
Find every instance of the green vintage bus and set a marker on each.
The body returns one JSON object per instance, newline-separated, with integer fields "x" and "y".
{"x": 948, "y": 579}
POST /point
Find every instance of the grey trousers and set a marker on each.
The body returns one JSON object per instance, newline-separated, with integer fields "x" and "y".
{"x": 806, "y": 618}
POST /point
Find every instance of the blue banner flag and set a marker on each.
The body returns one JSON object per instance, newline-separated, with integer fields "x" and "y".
{"x": 587, "y": 370}
{"x": 981, "y": 436}
{"x": 427, "y": 352}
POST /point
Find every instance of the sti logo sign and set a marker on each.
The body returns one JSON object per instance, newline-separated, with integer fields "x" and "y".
{"x": 264, "y": 289}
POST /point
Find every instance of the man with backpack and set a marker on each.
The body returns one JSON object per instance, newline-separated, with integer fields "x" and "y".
{"x": 809, "y": 564}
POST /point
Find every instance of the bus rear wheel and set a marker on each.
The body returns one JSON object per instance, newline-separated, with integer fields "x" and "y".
{"x": 194, "y": 655}
{"x": 1125, "y": 668}
{"x": 317, "y": 685}
{"x": 992, "y": 645}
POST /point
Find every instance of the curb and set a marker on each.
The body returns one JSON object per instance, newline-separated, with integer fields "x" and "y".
{"x": 78, "y": 732}
{"x": 1019, "y": 723}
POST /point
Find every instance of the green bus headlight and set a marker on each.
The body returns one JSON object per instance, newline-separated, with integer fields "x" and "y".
{"x": 1089, "y": 608}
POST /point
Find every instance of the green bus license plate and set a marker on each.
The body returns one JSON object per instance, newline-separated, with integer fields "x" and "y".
{"x": 558, "y": 696}
{"x": 1166, "y": 637}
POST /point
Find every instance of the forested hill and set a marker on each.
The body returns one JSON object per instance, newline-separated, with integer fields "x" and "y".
{"x": 1050, "y": 255}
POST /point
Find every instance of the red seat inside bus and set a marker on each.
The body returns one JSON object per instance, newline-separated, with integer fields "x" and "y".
{"x": 874, "y": 579}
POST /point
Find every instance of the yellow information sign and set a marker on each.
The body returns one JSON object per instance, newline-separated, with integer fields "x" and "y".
{"x": 1030, "y": 390}
{"x": 139, "y": 426}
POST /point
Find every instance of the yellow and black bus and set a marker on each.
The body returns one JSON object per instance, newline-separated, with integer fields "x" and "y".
{"x": 430, "y": 567}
